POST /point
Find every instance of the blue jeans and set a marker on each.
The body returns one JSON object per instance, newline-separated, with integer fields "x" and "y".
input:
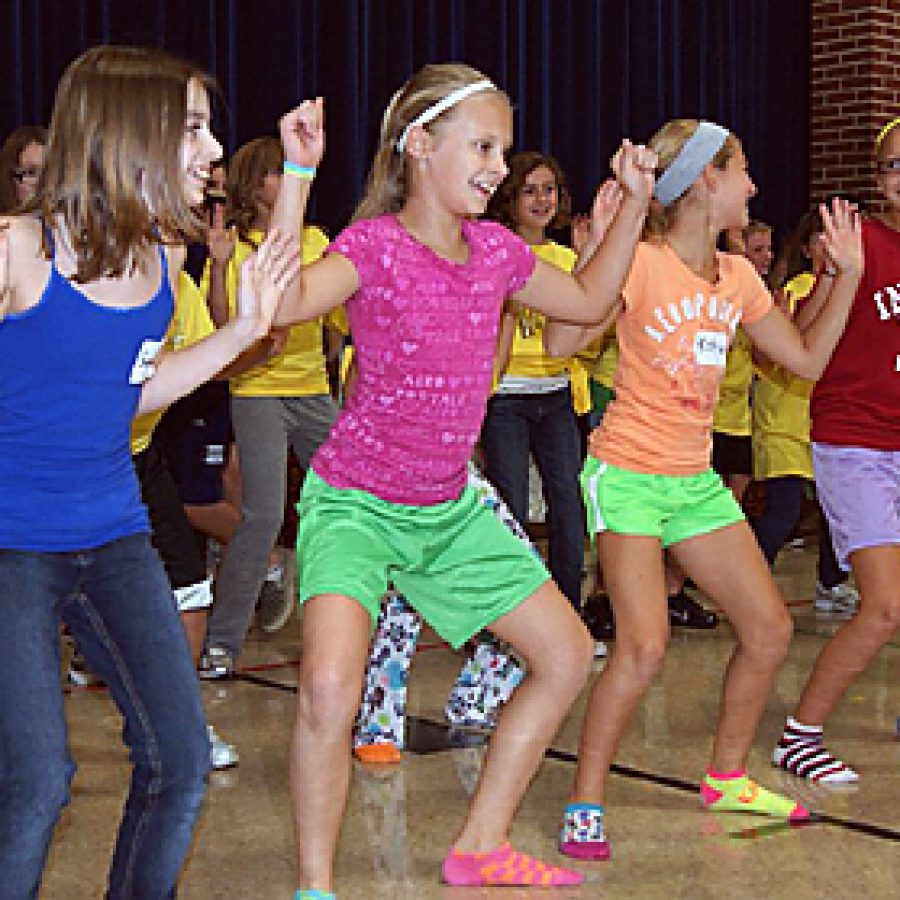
{"x": 784, "y": 498}
{"x": 545, "y": 426}
{"x": 120, "y": 609}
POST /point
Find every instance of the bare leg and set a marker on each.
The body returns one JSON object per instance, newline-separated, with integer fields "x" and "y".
{"x": 634, "y": 578}
{"x": 728, "y": 565}
{"x": 547, "y": 633}
{"x": 194, "y": 622}
{"x": 335, "y": 649}
{"x": 855, "y": 645}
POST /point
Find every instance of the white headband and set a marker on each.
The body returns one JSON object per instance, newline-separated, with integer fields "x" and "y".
{"x": 430, "y": 113}
{"x": 706, "y": 141}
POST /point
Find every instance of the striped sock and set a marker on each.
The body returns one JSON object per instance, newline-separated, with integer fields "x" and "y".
{"x": 801, "y": 752}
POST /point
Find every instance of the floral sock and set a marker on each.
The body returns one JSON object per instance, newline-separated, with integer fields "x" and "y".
{"x": 504, "y": 866}
{"x": 736, "y": 792}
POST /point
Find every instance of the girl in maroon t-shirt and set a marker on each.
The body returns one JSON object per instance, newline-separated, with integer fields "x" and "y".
{"x": 856, "y": 456}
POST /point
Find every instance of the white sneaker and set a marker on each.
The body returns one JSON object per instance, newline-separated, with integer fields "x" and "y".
{"x": 600, "y": 650}
{"x": 842, "y": 598}
{"x": 221, "y": 754}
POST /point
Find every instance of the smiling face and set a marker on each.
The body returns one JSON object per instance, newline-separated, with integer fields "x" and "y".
{"x": 888, "y": 165}
{"x": 199, "y": 149}
{"x": 538, "y": 200}
{"x": 462, "y": 161}
{"x": 758, "y": 249}
{"x": 734, "y": 188}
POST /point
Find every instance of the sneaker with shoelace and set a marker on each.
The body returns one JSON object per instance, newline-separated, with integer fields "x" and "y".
{"x": 841, "y": 598}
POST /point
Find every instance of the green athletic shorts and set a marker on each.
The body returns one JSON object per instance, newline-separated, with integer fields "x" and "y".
{"x": 672, "y": 508}
{"x": 455, "y": 562}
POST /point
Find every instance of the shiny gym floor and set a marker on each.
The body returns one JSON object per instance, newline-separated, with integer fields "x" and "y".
{"x": 401, "y": 819}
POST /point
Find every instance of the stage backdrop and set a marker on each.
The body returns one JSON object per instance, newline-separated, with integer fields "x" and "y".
{"x": 581, "y": 74}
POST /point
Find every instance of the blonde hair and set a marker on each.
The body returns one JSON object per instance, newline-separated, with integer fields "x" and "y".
{"x": 667, "y": 142}
{"x": 246, "y": 172}
{"x": 387, "y": 185}
{"x": 112, "y": 172}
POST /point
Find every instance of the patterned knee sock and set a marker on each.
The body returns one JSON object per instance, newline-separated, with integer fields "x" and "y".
{"x": 735, "y": 792}
{"x": 801, "y": 752}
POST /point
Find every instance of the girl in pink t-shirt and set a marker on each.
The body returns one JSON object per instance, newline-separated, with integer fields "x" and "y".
{"x": 386, "y": 497}
{"x": 648, "y": 484}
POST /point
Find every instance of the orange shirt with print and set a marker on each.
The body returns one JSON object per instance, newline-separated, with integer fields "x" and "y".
{"x": 674, "y": 333}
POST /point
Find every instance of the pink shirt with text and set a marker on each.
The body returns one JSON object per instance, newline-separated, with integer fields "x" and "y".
{"x": 425, "y": 333}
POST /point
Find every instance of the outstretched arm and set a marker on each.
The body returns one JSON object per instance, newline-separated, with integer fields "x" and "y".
{"x": 806, "y": 354}
{"x": 263, "y": 279}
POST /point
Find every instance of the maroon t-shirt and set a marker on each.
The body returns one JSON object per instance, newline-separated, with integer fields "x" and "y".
{"x": 856, "y": 402}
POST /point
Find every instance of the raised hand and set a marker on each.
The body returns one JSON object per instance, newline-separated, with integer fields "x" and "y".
{"x": 264, "y": 277}
{"x": 607, "y": 201}
{"x": 842, "y": 235}
{"x": 219, "y": 239}
{"x": 302, "y": 133}
{"x": 5, "y": 289}
{"x": 634, "y": 167}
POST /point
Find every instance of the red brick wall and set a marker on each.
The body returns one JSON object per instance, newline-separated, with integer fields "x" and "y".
{"x": 855, "y": 89}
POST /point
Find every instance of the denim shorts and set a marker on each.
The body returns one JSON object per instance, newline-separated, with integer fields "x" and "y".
{"x": 859, "y": 490}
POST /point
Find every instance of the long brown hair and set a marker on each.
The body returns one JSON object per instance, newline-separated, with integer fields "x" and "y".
{"x": 387, "y": 185}
{"x": 502, "y": 205}
{"x": 246, "y": 171}
{"x": 668, "y": 142}
{"x": 112, "y": 173}
{"x": 16, "y": 141}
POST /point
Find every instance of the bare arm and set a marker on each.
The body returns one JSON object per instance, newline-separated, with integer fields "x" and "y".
{"x": 563, "y": 339}
{"x": 262, "y": 282}
{"x": 807, "y": 353}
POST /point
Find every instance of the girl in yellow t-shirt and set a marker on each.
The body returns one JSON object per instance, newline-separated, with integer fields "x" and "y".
{"x": 283, "y": 402}
{"x": 648, "y": 484}
{"x": 782, "y": 453}
{"x": 531, "y": 411}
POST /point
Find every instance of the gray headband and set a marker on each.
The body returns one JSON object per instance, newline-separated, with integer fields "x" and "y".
{"x": 685, "y": 169}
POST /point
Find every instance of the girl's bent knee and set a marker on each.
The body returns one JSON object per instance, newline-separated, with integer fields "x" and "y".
{"x": 325, "y": 699}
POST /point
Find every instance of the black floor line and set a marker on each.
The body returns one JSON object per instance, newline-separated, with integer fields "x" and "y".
{"x": 677, "y": 784}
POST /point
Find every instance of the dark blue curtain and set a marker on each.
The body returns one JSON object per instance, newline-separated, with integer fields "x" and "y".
{"x": 582, "y": 73}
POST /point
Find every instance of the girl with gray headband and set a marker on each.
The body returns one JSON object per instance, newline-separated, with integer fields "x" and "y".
{"x": 647, "y": 483}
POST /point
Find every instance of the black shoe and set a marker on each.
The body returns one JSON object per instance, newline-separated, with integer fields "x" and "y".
{"x": 598, "y": 616}
{"x": 688, "y": 613}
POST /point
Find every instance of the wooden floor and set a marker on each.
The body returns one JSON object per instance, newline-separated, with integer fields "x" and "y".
{"x": 401, "y": 820}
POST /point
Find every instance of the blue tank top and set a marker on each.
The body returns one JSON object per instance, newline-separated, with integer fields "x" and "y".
{"x": 70, "y": 379}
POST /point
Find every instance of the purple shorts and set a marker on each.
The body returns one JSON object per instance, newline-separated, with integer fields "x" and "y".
{"x": 859, "y": 490}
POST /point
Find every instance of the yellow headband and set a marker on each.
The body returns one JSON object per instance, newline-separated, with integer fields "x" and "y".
{"x": 886, "y": 131}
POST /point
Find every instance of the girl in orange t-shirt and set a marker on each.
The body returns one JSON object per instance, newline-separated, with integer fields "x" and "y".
{"x": 647, "y": 483}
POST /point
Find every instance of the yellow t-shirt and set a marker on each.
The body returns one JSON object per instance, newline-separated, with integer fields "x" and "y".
{"x": 732, "y": 414}
{"x": 190, "y": 323}
{"x": 781, "y": 410}
{"x": 600, "y": 359}
{"x": 673, "y": 334}
{"x": 527, "y": 358}
{"x": 299, "y": 370}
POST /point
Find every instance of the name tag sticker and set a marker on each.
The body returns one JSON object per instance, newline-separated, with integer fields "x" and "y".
{"x": 710, "y": 348}
{"x": 145, "y": 362}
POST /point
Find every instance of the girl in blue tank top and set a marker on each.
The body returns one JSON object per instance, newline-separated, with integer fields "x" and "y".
{"x": 85, "y": 302}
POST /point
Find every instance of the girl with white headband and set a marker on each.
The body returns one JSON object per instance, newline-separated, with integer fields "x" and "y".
{"x": 856, "y": 457}
{"x": 386, "y": 496}
{"x": 647, "y": 482}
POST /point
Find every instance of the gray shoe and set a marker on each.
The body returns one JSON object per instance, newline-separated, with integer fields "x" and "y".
{"x": 274, "y": 606}
{"x": 216, "y": 662}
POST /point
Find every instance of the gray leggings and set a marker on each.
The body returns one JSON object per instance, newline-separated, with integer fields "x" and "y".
{"x": 263, "y": 427}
